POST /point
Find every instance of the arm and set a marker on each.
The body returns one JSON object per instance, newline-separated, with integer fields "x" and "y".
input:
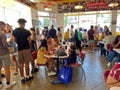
{"x": 110, "y": 82}
{"x": 29, "y": 41}
{"x": 4, "y": 41}
{"x": 117, "y": 45}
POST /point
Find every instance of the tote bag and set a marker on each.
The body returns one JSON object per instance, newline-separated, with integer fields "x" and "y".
{"x": 65, "y": 74}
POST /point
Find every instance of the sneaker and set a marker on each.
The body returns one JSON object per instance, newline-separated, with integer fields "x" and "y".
{"x": 28, "y": 79}
{"x": 10, "y": 85}
{"x": 36, "y": 69}
{"x": 1, "y": 85}
{"x": 15, "y": 73}
{"x": 23, "y": 80}
{"x": 2, "y": 75}
{"x": 109, "y": 64}
{"x": 55, "y": 69}
{"x": 51, "y": 73}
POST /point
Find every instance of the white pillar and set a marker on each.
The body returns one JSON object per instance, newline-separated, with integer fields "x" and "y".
{"x": 114, "y": 22}
{"x": 60, "y": 22}
{"x": 34, "y": 17}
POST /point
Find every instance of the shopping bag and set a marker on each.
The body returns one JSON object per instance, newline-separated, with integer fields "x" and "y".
{"x": 65, "y": 74}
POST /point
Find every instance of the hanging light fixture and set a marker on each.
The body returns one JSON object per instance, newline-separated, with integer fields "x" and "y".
{"x": 48, "y": 9}
{"x": 35, "y": 1}
{"x": 78, "y": 7}
{"x": 113, "y": 4}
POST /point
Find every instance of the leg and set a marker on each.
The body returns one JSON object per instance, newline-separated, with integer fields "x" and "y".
{"x": 22, "y": 70}
{"x": 27, "y": 69}
{"x": 7, "y": 73}
{"x": 49, "y": 66}
{"x": 15, "y": 63}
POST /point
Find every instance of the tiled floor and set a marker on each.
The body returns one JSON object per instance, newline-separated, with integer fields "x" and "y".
{"x": 94, "y": 67}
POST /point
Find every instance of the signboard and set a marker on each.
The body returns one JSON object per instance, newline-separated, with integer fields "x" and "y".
{"x": 96, "y": 5}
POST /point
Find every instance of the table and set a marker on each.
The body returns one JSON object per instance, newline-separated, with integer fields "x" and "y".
{"x": 117, "y": 50}
{"x": 55, "y": 57}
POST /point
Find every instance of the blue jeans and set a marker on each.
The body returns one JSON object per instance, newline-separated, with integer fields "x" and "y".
{"x": 112, "y": 55}
{"x": 103, "y": 51}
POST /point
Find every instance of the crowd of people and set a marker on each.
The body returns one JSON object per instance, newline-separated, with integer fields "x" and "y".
{"x": 20, "y": 43}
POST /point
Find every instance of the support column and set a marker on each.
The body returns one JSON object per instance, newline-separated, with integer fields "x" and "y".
{"x": 60, "y": 22}
{"x": 114, "y": 22}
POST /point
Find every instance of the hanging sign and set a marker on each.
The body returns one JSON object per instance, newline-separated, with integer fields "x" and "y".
{"x": 96, "y": 5}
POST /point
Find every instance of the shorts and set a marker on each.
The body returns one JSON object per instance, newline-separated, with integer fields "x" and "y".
{"x": 91, "y": 41}
{"x": 5, "y": 60}
{"x": 25, "y": 56}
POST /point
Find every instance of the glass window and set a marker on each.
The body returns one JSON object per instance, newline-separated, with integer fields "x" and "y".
{"x": 104, "y": 19}
{"x": 11, "y": 17}
{"x": 118, "y": 23}
{"x": 2, "y": 16}
{"x": 70, "y": 20}
{"x": 85, "y": 21}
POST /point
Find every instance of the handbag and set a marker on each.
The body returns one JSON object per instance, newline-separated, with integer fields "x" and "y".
{"x": 65, "y": 74}
{"x": 34, "y": 54}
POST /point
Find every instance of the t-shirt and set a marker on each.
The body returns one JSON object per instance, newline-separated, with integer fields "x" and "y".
{"x": 90, "y": 34}
{"x": 52, "y": 33}
{"x": 3, "y": 44}
{"x": 73, "y": 56}
{"x": 115, "y": 72}
{"x": 40, "y": 56}
{"x": 21, "y": 36}
{"x": 79, "y": 35}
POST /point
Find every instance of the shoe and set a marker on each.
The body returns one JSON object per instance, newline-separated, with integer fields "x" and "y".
{"x": 2, "y": 75}
{"x": 10, "y": 85}
{"x": 109, "y": 64}
{"x": 23, "y": 80}
{"x": 28, "y": 79}
{"x": 51, "y": 73}
{"x": 16, "y": 73}
{"x": 1, "y": 85}
{"x": 34, "y": 70}
{"x": 55, "y": 69}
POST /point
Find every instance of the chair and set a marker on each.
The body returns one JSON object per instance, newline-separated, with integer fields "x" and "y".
{"x": 34, "y": 55}
{"x": 45, "y": 68}
{"x": 106, "y": 73}
{"x": 109, "y": 48}
{"x": 81, "y": 57}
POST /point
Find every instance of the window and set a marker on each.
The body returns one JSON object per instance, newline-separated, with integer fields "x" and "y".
{"x": 118, "y": 23}
{"x": 2, "y": 16}
{"x": 11, "y": 17}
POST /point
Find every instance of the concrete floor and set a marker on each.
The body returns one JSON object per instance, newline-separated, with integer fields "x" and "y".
{"x": 94, "y": 67}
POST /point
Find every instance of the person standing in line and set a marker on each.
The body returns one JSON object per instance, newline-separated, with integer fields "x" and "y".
{"x": 33, "y": 48}
{"x": 13, "y": 53}
{"x": 79, "y": 39}
{"x": 4, "y": 57}
{"x": 33, "y": 39}
{"x": 52, "y": 32}
{"x": 59, "y": 35}
{"x": 91, "y": 38}
{"x": 22, "y": 38}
